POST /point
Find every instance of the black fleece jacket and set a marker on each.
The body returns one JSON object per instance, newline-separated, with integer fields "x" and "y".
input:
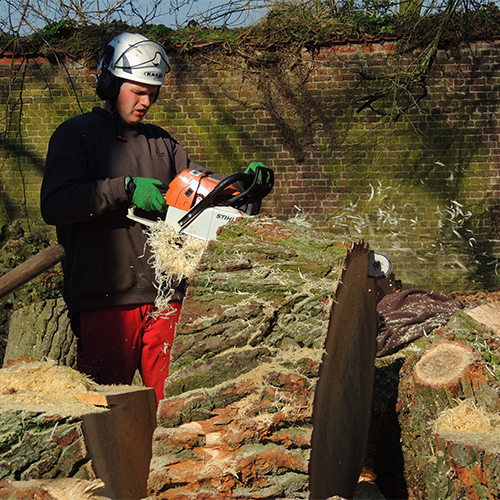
{"x": 83, "y": 195}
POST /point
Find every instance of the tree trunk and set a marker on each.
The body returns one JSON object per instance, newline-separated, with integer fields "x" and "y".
{"x": 41, "y": 331}
{"x": 448, "y": 406}
{"x": 236, "y": 421}
{"x": 56, "y": 423}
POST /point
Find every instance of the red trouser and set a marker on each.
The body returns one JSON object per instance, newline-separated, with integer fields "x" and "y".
{"x": 116, "y": 341}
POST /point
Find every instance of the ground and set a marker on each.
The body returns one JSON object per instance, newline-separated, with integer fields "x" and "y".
{"x": 472, "y": 298}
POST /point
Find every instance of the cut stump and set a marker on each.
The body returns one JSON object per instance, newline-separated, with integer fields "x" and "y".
{"x": 57, "y": 423}
{"x": 444, "y": 365}
{"x": 448, "y": 408}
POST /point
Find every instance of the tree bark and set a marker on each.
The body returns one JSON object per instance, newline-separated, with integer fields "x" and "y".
{"x": 236, "y": 421}
{"x": 444, "y": 458}
{"x": 41, "y": 331}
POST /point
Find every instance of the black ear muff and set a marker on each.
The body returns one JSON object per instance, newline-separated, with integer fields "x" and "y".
{"x": 155, "y": 98}
{"x": 108, "y": 85}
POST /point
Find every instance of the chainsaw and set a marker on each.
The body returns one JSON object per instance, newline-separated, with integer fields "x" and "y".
{"x": 198, "y": 204}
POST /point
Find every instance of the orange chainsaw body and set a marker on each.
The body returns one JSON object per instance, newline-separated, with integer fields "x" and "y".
{"x": 199, "y": 204}
{"x": 191, "y": 186}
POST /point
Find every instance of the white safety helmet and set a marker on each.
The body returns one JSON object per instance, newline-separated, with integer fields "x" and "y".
{"x": 131, "y": 56}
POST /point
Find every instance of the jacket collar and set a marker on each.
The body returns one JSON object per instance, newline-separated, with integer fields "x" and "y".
{"x": 114, "y": 121}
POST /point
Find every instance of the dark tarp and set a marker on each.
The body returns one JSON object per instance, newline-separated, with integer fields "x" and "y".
{"x": 406, "y": 316}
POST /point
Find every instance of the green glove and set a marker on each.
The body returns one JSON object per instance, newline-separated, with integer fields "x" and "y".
{"x": 144, "y": 193}
{"x": 253, "y": 167}
{"x": 266, "y": 177}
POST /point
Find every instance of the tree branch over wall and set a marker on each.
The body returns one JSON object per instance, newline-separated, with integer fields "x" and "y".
{"x": 404, "y": 88}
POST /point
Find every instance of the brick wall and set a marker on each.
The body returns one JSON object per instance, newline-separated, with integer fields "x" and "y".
{"x": 424, "y": 189}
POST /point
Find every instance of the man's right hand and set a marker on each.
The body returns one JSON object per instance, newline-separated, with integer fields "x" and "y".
{"x": 144, "y": 193}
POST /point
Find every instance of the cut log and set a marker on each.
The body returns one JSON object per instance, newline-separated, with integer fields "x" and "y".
{"x": 236, "y": 421}
{"x": 448, "y": 411}
{"x": 57, "y": 423}
{"x": 487, "y": 315}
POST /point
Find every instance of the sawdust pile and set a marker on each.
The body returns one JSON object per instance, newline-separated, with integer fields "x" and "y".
{"x": 175, "y": 257}
{"x": 39, "y": 377}
{"x": 469, "y": 424}
{"x": 45, "y": 386}
{"x": 54, "y": 489}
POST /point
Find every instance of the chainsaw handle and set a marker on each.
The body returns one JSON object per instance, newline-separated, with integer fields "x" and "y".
{"x": 205, "y": 202}
{"x": 223, "y": 184}
{"x": 141, "y": 220}
{"x": 265, "y": 188}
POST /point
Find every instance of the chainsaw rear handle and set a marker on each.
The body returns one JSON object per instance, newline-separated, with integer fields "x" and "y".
{"x": 141, "y": 220}
{"x": 257, "y": 188}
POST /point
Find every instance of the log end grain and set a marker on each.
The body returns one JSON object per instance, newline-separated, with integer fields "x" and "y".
{"x": 487, "y": 315}
{"x": 444, "y": 364}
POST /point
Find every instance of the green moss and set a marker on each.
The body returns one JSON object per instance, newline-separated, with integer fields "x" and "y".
{"x": 219, "y": 369}
{"x": 234, "y": 232}
{"x": 491, "y": 359}
{"x": 205, "y": 284}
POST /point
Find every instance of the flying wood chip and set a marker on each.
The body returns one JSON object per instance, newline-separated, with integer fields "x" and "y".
{"x": 342, "y": 406}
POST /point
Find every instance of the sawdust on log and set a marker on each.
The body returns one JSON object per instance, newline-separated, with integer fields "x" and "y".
{"x": 471, "y": 425}
{"x": 34, "y": 376}
{"x": 52, "y": 489}
{"x": 175, "y": 257}
{"x": 44, "y": 386}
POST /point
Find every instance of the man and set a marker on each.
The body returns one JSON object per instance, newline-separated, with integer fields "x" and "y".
{"x": 97, "y": 165}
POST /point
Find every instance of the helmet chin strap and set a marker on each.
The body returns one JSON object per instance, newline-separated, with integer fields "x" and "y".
{"x": 113, "y": 100}
{"x": 110, "y": 105}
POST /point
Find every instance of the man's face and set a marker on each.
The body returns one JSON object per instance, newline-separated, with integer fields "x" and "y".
{"x": 134, "y": 101}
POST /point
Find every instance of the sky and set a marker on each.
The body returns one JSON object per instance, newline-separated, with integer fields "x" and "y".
{"x": 182, "y": 16}
{"x": 10, "y": 12}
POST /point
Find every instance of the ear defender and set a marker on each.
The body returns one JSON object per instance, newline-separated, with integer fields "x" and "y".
{"x": 108, "y": 85}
